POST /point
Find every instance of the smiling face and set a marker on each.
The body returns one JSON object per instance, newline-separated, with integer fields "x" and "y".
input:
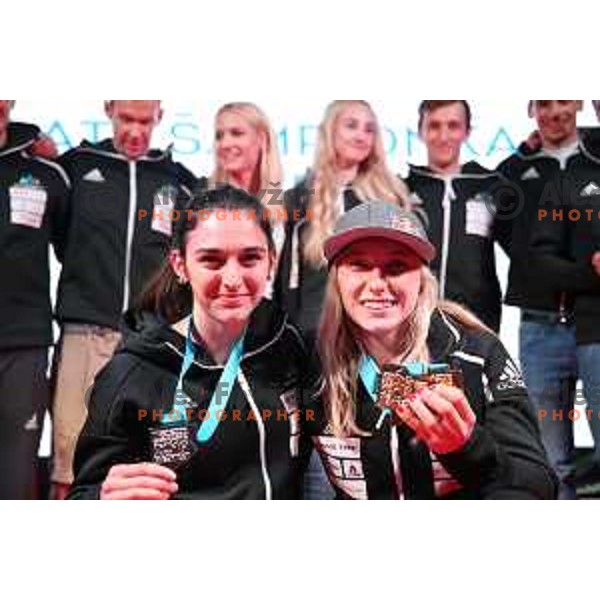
{"x": 379, "y": 283}
{"x": 227, "y": 263}
{"x": 556, "y": 120}
{"x": 354, "y": 135}
{"x": 238, "y": 144}
{"x": 444, "y": 130}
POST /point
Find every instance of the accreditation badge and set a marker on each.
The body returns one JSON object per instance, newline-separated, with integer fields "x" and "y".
{"x": 28, "y": 201}
{"x": 480, "y": 216}
{"x": 162, "y": 213}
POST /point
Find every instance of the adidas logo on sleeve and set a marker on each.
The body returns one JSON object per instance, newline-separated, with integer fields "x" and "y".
{"x": 591, "y": 189}
{"x": 511, "y": 378}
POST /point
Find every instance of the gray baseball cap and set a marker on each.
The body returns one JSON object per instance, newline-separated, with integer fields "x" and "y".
{"x": 379, "y": 219}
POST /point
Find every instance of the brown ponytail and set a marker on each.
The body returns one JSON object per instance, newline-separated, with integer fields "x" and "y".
{"x": 166, "y": 296}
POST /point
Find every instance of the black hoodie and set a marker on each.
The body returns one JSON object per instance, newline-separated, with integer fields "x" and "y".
{"x": 300, "y": 286}
{"x": 562, "y": 245}
{"x": 120, "y": 229}
{"x": 34, "y": 195}
{"x": 247, "y": 458}
{"x": 504, "y": 458}
{"x": 462, "y": 226}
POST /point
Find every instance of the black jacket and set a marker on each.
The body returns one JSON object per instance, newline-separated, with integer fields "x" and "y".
{"x": 34, "y": 195}
{"x": 117, "y": 239}
{"x": 300, "y": 286}
{"x": 504, "y": 459}
{"x": 562, "y": 248}
{"x": 246, "y": 459}
{"x": 534, "y": 176}
{"x": 462, "y": 227}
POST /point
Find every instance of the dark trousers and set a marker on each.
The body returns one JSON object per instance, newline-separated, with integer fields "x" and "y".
{"x": 24, "y": 398}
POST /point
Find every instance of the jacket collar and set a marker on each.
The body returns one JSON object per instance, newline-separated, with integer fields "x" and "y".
{"x": 164, "y": 344}
{"x": 469, "y": 170}
{"x": 445, "y": 336}
{"x": 107, "y": 149}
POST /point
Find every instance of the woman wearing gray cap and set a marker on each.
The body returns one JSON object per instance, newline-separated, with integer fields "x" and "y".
{"x": 350, "y": 168}
{"x": 419, "y": 398}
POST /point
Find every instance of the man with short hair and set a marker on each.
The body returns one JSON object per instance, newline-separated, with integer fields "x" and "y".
{"x": 122, "y": 196}
{"x": 565, "y": 252}
{"x": 548, "y": 346}
{"x": 34, "y": 213}
{"x": 458, "y": 202}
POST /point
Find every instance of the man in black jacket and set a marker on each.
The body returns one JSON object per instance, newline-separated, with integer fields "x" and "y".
{"x": 123, "y": 193}
{"x": 33, "y": 214}
{"x": 459, "y": 203}
{"x": 548, "y": 349}
{"x": 565, "y": 251}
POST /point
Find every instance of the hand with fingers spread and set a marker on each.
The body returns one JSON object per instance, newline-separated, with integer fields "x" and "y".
{"x": 441, "y": 417}
{"x": 143, "y": 481}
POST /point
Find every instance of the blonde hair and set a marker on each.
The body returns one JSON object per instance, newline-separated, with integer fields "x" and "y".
{"x": 269, "y": 173}
{"x": 340, "y": 352}
{"x": 374, "y": 181}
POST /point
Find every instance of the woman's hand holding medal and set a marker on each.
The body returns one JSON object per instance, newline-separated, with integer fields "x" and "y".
{"x": 432, "y": 404}
{"x": 144, "y": 481}
{"x": 440, "y": 416}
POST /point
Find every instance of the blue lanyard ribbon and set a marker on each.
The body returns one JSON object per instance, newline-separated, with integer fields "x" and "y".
{"x": 220, "y": 397}
{"x": 369, "y": 374}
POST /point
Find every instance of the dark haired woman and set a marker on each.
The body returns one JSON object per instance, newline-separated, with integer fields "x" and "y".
{"x": 198, "y": 403}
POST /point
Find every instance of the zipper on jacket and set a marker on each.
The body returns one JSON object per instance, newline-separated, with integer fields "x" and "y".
{"x": 563, "y": 318}
{"x": 130, "y": 232}
{"x": 294, "y": 282}
{"x": 262, "y": 434}
{"x": 447, "y": 221}
{"x": 394, "y": 449}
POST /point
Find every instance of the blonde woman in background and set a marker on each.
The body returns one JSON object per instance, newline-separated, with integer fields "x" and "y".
{"x": 350, "y": 168}
{"x": 246, "y": 151}
{"x": 247, "y": 157}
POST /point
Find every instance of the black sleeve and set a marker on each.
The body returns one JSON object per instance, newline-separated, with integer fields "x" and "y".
{"x": 295, "y": 203}
{"x": 505, "y": 457}
{"x": 108, "y": 438}
{"x": 187, "y": 180}
{"x": 550, "y": 255}
{"x": 304, "y": 367}
{"x": 61, "y": 217}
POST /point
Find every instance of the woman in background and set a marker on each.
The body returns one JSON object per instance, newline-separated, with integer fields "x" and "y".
{"x": 247, "y": 157}
{"x": 350, "y": 168}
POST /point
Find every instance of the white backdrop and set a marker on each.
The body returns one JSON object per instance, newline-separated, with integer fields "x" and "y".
{"x": 498, "y": 127}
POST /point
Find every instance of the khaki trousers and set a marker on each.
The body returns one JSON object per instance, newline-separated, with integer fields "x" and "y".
{"x": 84, "y": 351}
